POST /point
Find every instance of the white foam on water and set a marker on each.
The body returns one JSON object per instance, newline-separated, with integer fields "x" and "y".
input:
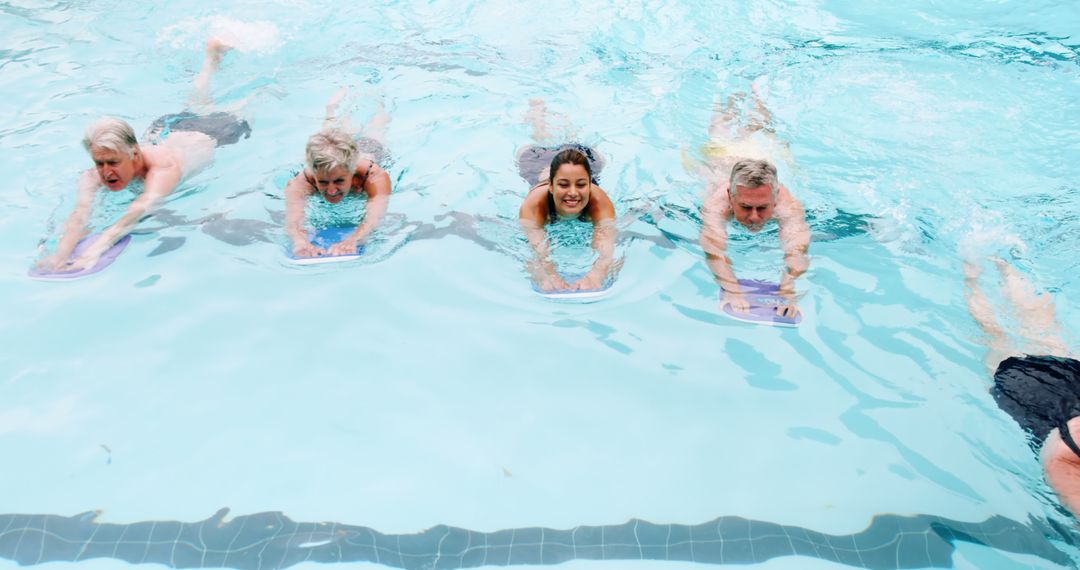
{"x": 259, "y": 36}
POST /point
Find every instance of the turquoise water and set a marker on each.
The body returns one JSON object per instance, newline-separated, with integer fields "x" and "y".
{"x": 427, "y": 385}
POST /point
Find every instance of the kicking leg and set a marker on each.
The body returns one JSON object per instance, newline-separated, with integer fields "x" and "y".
{"x": 536, "y": 117}
{"x": 725, "y": 119}
{"x": 979, "y": 307}
{"x": 376, "y": 126}
{"x": 200, "y": 99}
{"x": 1035, "y": 313}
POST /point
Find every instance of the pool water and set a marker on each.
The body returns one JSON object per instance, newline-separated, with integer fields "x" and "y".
{"x": 433, "y": 411}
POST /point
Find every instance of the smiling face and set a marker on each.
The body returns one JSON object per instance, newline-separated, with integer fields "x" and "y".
{"x": 753, "y": 207}
{"x": 334, "y": 184}
{"x": 116, "y": 168}
{"x": 570, "y": 187}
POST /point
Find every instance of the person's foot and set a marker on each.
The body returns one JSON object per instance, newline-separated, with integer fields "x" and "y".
{"x": 216, "y": 49}
{"x": 971, "y": 271}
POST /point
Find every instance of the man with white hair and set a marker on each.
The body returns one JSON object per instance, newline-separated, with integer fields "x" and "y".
{"x": 182, "y": 144}
{"x": 743, "y": 185}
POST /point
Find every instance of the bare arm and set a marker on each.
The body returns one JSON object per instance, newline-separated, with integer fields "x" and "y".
{"x": 377, "y": 186}
{"x": 532, "y": 218}
{"x": 795, "y": 241}
{"x": 161, "y": 178}
{"x": 75, "y": 227}
{"x": 296, "y": 195}
{"x": 602, "y": 212}
{"x": 714, "y": 215}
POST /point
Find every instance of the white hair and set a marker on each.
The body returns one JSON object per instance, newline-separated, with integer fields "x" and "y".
{"x": 752, "y": 173}
{"x": 113, "y": 134}
{"x": 331, "y": 148}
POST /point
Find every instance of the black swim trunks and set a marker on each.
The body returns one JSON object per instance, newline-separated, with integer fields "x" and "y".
{"x": 224, "y": 128}
{"x": 1041, "y": 393}
{"x": 534, "y": 159}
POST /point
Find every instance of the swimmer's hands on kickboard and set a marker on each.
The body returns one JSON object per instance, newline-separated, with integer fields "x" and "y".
{"x": 553, "y": 284}
{"x": 588, "y": 283}
{"x": 346, "y": 246}
{"x": 736, "y": 300}
{"x": 305, "y": 249}
{"x": 790, "y": 308}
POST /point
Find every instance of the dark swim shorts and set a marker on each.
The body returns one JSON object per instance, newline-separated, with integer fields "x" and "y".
{"x": 224, "y": 128}
{"x": 534, "y": 159}
{"x": 373, "y": 149}
{"x": 1040, "y": 392}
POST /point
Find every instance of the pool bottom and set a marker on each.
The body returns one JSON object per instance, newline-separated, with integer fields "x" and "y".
{"x": 273, "y": 540}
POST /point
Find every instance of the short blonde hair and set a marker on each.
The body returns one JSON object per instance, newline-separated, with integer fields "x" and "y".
{"x": 112, "y": 134}
{"x": 329, "y": 149}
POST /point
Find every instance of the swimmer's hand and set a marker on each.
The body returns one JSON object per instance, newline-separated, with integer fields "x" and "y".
{"x": 50, "y": 263}
{"x": 738, "y": 301}
{"x": 588, "y": 283}
{"x": 790, "y": 308}
{"x": 305, "y": 249}
{"x": 344, "y": 247}
{"x": 88, "y": 259}
{"x": 552, "y": 284}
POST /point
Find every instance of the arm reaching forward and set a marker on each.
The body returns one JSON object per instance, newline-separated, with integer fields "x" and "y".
{"x": 715, "y": 213}
{"x": 795, "y": 241}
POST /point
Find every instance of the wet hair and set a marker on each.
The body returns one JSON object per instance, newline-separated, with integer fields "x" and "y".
{"x": 566, "y": 156}
{"x": 329, "y": 149}
{"x": 752, "y": 173}
{"x": 113, "y": 134}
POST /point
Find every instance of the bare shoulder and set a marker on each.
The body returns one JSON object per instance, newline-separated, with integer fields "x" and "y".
{"x": 534, "y": 208}
{"x": 160, "y": 156}
{"x": 299, "y": 184}
{"x": 716, "y": 199}
{"x": 600, "y": 205}
{"x": 787, "y": 204}
{"x": 376, "y": 179}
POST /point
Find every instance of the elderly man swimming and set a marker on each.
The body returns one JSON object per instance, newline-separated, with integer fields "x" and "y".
{"x": 743, "y": 186}
{"x": 181, "y": 145}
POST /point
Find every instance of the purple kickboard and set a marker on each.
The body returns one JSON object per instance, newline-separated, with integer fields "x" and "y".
{"x": 104, "y": 261}
{"x": 764, "y": 298}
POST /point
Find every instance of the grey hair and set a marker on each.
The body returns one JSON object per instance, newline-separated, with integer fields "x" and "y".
{"x": 752, "y": 173}
{"x": 112, "y": 134}
{"x": 329, "y": 149}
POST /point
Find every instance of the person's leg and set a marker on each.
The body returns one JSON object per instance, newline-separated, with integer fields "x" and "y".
{"x": 725, "y": 121}
{"x": 762, "y": 117}
{"x": 536, "y": 117}
{"x": 200, "y": 100}
{"x": 1034, "y": 313}
{"x": 332, "y": 119}
{"x": 980, "y": 309}
{"x": 376, "y": 126}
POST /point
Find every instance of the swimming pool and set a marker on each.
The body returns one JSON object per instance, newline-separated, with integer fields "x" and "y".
{"x": 426, "y": 386}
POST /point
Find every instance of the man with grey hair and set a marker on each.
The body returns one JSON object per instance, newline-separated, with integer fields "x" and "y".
{"x": 743, "y": 186}
{"x": 183, "y": 144}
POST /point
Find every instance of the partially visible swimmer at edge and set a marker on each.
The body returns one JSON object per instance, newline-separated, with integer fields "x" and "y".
{"x": 180, "y": 145}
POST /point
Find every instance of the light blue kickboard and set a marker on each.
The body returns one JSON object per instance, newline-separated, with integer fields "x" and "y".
{"x": 587, "y": 296}
{"x": 104, "y": 261}
{"x": 325, "y": 238}
{"x": 764, "y": 297}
